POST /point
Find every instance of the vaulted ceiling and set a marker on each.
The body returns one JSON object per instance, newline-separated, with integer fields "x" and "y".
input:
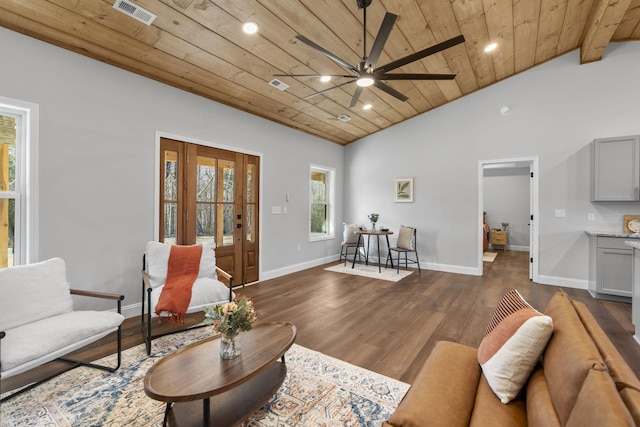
{"x": 199, "y": 46}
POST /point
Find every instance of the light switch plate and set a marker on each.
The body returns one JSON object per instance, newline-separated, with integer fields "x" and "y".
{"x": 560, "y": 213}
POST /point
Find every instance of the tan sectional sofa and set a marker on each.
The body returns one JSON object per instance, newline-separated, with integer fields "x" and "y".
{"x": 582, "y": 380}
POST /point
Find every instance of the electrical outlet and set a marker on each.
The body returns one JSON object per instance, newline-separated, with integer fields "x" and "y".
{"x": 591, "y": 216}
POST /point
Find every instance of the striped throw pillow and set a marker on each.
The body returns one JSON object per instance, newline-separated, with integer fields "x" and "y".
{"x": 512, "y": 345}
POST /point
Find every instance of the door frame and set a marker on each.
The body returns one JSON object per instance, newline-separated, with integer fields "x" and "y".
{"x": 534, "y": 209}
{"x": 156, "y": 183}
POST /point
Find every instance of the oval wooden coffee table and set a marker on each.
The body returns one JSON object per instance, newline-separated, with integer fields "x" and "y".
{"x": 200, "y": 388}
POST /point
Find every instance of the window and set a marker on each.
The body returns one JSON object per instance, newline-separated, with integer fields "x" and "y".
{"x": 321, "y": 207}
{"x": 17, "y": 140}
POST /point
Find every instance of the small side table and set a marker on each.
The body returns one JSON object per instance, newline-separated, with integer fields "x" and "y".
{"x": 370, "y": 233}
{"x": 499, "y": 238}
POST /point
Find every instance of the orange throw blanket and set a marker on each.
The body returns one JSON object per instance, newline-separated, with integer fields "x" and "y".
{"x": 182, "y": 271}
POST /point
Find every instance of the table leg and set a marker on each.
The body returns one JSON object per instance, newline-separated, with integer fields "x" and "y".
{"x": 379, "y": 260}
{"x": 206, "y": 414}
{"x": 166, "y": 413}
{"x": 366, "y": 257}
{"x": 353, "y": 264}
{"x": 389, "y": 251}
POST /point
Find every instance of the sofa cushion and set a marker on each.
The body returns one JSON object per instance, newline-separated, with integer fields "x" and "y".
{"x": 515, "y": 338}
{"x": 33, "y": 292}
{"x": 631, "y": 399}
{"x": 622, "y": 375}
{"x": 569, "y": 356}
{"x": 436, "y": 398}
{"x": 489, "y": 411}
{"x": 599, "y": 404}
{"x": 44, "y": 338}
{"x": 350, "y": 233}
{"x": 540, "y": 412}
{"x": 405, "y": 238}
{"x": 157, "y": 259}
{"x": 205, "y": 291}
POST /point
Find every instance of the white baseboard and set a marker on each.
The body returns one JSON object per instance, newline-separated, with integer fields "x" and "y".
{"x": 563, "y": 281}
{"x": 458, "y": 269}
{"x": 637, "y": 338}
{"x": 266, "y": 275}
{"x": 131, "y": 310}
{"x": 518, "y": 248}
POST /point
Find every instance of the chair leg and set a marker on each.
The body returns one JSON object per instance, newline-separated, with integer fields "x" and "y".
{"x": 418, "y": 261}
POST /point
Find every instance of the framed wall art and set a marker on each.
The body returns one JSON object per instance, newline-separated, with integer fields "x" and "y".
{"x": 404, "y": 190}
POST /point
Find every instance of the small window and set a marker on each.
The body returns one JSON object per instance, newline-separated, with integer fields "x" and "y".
{"x": 321, "y": 207}
{"x": 15, "y": 126}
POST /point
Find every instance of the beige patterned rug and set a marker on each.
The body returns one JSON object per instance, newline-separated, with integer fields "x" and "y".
{"x": 318, "y": 391}
{"x": 489, "y": 256}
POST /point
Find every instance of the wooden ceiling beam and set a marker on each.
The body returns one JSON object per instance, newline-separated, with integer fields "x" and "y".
{"x": 604, "y": 19}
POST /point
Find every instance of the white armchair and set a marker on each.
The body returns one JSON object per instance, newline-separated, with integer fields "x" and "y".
{"x": 38, "y": 323}
{"x": 206, "y": 290}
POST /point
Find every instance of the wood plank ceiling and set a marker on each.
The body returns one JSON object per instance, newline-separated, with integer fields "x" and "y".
{"x": 198, "y": 46}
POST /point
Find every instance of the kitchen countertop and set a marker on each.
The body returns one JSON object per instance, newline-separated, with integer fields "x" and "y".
{"x": 613, "y": 234}
{"x": 635, "y": 245}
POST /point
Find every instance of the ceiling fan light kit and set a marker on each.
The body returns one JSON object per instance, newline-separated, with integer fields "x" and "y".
{"x": 366, "y": 74}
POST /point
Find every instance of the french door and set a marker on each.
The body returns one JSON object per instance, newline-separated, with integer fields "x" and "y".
{"x": 211, "y": 194}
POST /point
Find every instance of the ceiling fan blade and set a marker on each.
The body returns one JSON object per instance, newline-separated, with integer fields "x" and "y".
{"x": 421, "y": 54}
{"x": 356, "y": 96}
{"x": 381, "y": 39}
{"x": 312, "y": 75}
{"x": 391, "y": 91}
{"x": 409, "y": 76}
{"x": 328, "y": 54}
{"x": 328, "y": 89}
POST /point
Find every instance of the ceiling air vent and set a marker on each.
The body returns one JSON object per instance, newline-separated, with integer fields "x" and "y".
{"x": 135, "y": 11}
{"x": 278, "y": 84}
{"x": 344, "y": 118}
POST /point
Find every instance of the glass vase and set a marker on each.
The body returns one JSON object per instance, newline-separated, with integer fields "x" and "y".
{"x": 229, "y": 345}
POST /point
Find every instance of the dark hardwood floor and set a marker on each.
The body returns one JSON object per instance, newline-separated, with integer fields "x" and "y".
{"x": 391, "y": 327}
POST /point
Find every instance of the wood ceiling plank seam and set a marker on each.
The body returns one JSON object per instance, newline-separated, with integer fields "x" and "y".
{"x": 249, "y": 80}
{"x": 552, "y": 17}
{"x": 343, "y": 33}
{"x": 526, "y": 18}
{"x": 439, "y": 14}
{"x": 265, "y": 106}
{"x": 470, "y": 17}
{"x": 293, "y": 17}
{"x": 360, "y": 119}
{"x": 607, "y": 15}
{"x": 32, "y": 28}
{"x": 397, "y": 46}
{"x": 573, "y": 27}
{"x": 180, "y": 48}
{"x": 296, "y": 48}
{"x": 413, "y": 26}
{"x": 499, "y": 16}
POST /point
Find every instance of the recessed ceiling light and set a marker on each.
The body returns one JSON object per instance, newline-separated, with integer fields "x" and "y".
{"x": 367, "y": 107}
{"x": 490, "y": 47}
{"x": 364, "y": 81}
{"x": 250, "y": 27}
{"x": 325, "y": 79}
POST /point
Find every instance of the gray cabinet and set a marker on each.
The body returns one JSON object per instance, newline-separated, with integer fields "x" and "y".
{"x": 615, "y": 169}
{"x": 610, "y": 268}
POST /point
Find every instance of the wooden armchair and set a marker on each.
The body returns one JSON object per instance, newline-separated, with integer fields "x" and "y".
{"x": 39, "y": 325}
{"x": 212, "y": 286}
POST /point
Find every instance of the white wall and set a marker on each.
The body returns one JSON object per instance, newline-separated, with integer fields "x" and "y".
{"x": 557, "y": 109}
{"x": 506, "y": 199}
{"x": 98, "y": 129}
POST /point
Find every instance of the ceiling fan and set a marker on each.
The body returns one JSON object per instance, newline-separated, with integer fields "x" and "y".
{"x": 366, "y": 73}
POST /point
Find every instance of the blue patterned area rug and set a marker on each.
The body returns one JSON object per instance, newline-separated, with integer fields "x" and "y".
{"x": 318, "y": 391}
